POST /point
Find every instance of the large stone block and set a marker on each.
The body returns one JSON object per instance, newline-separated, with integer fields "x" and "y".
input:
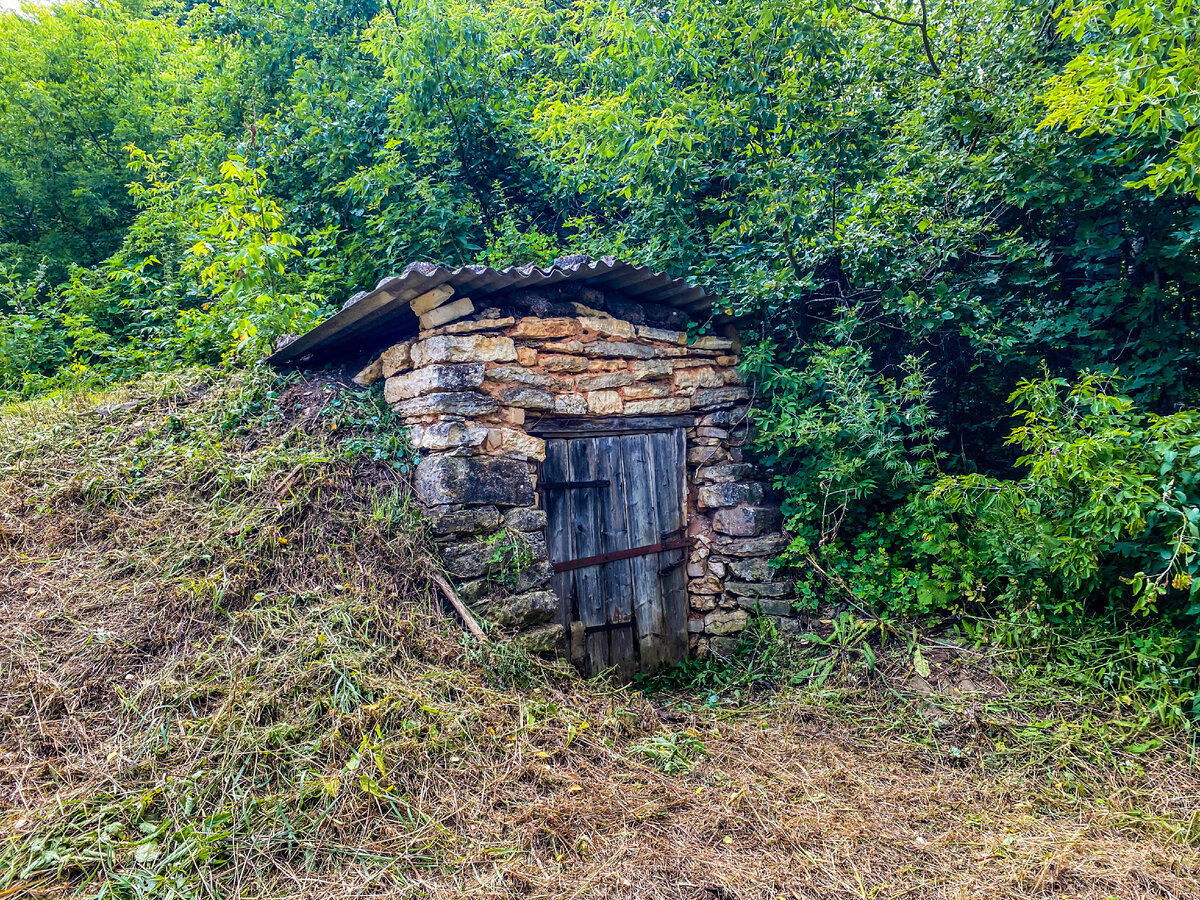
{"x": 474, "y": 481}
{"x": 467, "y": 521}
{"x": 452, "y": 434}
{"x": 462, "y": 377}
{"x": 698, "y": 377}
{"x": 730, "y": 493}
{"x": 663, "y": 406}
{"x": 457, "y": 348}
{"x": 525, "y": 519}
{"x": 759, "y": 589}
{"x": 570, "y": 405}
{"x": 543, "y": 329}
{"x": 478, "y": 556}
{"x": 443, "y": 314}
{"x": 752, "y": 569}
{"x": 543, "y": 639}
{"x": 768, "y": 545}
{"x": 645, "y": 392}
{"x": 604, "y": 381}
{"x": 709, "y": 342}
{"x": 397, "y": 358}
{"x": 727, "y": 472}
{"x": 747, "y": 521}
{"x": 609, "y": 349}
{"x": 607, "y": 327}
{"x": 521, "y": 610}
{"x": 530, "y": 578}
{"x": 459, "y": 403}
{"x": 604, "y": 403}
{"x": 714, "y": 398}
{"x": 518, "y": 443}
{"x": 527, "y": 397}
{"x": 555, "y": 362}
{"x": 726, "y": 621}
{"x": 765, "y": 606}
{"x": 520, "y": 375}
{"x": 648, "y": 333}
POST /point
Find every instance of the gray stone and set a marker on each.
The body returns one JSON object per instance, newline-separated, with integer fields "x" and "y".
{"x": 611, "y": 349}
{"x": 524, "y": 519}
{"x": 527, "y": 397}
{"x": 752, "y": 569}
{"x": 520, "y": 610}
{"x": 530, "y": 578}
{"x": 479, "y": 557}
{"x": 747, "y": 521}
{"x": 467, "y": 521}
{"x": 543, "y": 639}
{"x": 462, "y": 377}
{"x": 767, "y": 545}
{"x": 711, "y": 496}
{"x": 764, "y": 606}
{"x": 726, "y": 621}
{"x": 712, "y": 398}
{"x": 723, "y": 418}
{"x": 450, "y": 434}
{"x": 722, "y": 646}
{"x": 727, "y": 472}
{"x": 520, "y": 375}
{"x": 474, "y": 481}
{"x": 759, "y": 588}
{"x": 458, "y": 403}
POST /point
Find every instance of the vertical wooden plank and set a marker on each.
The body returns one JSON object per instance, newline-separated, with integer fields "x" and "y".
{"x": 669, "y": 480}
{"x": 643, "y": 529}
{"x": 585, "y": 541}
{"x": 617, "y": 576}
{"x": 558, "y": 517}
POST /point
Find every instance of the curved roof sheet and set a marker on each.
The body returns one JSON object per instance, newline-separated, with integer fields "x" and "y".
{"x": 376, "y": 318}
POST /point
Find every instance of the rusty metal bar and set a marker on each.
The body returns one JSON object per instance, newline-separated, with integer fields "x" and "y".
{"x": 569, "y": 485}
{"x": 614, "y": 555}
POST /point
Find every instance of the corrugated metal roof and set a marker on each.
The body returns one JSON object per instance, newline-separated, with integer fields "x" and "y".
{"x": 374, "y": 319}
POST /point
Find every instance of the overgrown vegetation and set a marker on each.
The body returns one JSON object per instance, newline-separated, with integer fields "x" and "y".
{"x": 221, "y": 674}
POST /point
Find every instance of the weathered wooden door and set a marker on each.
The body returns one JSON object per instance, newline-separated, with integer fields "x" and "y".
{"x": 616, "y": 536}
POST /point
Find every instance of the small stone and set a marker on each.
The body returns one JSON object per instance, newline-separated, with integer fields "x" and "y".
{"x": 462, "y": 377}
{"x": 447, "y": 435}
{"x": 570, "y": 405}
{"x": 727, "y": 472}
{"x": 474, "y": 481}
{"x": 431, "y": 299}
{"x": 647, "y": 333}
{"x": 519, "y": 375}
{"x": 541, "y": 329}
{"x": 515, "y": 443}
{"x": 660, "y": 407}
{"x": 448, "y": 313}
{"x": 603, "y": 382}
{"x": 511, "y": 415}
{"x": 574, "y": 347}
{"x": 370, "y": 373}
{"x": 759, "y": 589}
{"x": 722, "y": 396}
{"x": 608, "y": 365}
{"x": 723, "y": 418}
{"x": 458, "y": 403}
{"x": 703, "y": 602}
{"x": 527, "y": 397}
{"x": 652, "y": 369}
{"x": 608, "y": 349}
{"x": 455, "y": 348}
{"x": 396, "y": 358}
{"x": 707, "y": 431}
{"x": 527, "y": 356}
{"x": 747, "y": 521}
{"x": 605, "y": 326}
{"x": 705, "y": 585}
{"x": 524, "y": 519}
{"x": 723, "y": 622}
{"x": 466, "y": 521}
{"x": 695, "y": 626}
{"x": 484, "y": 324}
{"x": 722, "y": 647}
{"x": 711, "y": 496}
{"x": 697, "y": 570}
{"x": 604, "y": 403}
{"x": 559, "y": 363}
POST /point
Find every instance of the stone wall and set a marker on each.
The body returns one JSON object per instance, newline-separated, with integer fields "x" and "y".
{"x": 472, "y": 382}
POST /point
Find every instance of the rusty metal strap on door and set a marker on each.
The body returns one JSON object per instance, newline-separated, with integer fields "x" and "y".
{"x": 607, "y": 626}
{"x": 615, "y": 555}
{"x": 570, "y": 485}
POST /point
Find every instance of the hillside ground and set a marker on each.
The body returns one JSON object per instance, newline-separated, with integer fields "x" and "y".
{"x": 223, "y": 674}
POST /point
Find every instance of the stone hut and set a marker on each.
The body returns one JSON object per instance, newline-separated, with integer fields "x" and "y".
{"x": 581, "y": 456}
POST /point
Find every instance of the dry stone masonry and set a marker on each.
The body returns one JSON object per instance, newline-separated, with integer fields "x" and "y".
{"x": 473, "y": 383}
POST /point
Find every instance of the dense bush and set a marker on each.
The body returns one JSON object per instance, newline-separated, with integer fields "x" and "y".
{"x": 917, "y": 209}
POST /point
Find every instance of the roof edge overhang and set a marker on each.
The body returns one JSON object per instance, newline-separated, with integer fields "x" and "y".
{"x": 373, "y": 319}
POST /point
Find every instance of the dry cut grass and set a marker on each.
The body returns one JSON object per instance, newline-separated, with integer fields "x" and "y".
{"x": 222, "y": 674}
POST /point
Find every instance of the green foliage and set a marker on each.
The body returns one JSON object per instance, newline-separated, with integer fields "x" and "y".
{"x": 672, "y": 754}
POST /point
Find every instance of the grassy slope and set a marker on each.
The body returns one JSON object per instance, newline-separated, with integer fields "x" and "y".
{"x": 221, "y": 675}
